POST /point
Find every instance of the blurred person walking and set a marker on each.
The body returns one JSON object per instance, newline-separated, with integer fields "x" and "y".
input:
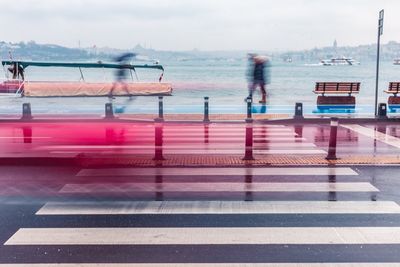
{"x": 121, "y": 73}
{"x": 259, "y": 74}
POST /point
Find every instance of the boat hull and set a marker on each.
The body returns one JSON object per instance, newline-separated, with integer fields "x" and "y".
{"x": 10, "y": 87}
{"x": 46, "y": 89}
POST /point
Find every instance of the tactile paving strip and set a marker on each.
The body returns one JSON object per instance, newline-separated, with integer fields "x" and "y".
{"x": 188, "y": 160}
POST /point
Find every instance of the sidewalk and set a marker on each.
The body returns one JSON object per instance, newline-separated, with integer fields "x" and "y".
{"x": 107, "y": 142}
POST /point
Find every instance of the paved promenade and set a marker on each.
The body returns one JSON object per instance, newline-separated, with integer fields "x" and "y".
{"x": 105, "y": 142}
{"x": 110, "y": 204}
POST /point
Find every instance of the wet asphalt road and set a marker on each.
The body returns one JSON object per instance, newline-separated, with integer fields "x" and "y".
{"x": 22, "y": 197}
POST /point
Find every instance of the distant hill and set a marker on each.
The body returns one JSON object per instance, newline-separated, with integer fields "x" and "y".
{"x": 389, "y": 51}
{"x": 50, "y": 52}
{"x": 34, "y": 51}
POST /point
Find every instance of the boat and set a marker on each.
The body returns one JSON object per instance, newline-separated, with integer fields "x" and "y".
{"x": 339, "y": 61}
{"x": 288, "y": 60}
{"x": 396, "y": 61}
{"x": 18, "y": 85}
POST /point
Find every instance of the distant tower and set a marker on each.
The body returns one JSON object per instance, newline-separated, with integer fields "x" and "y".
{"x": 335, "y": 46}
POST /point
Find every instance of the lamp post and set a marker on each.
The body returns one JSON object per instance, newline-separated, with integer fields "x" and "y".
{"x": 380, "y": 32}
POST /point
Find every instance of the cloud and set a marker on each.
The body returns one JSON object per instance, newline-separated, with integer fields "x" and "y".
{"x": 204, "y": 24}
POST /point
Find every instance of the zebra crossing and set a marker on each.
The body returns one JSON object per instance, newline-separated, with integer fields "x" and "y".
{"x": 280, "y": 244}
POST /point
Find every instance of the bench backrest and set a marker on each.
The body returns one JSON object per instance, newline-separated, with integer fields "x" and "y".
{"x": 345, "y": 87}
{"x": 394, "y": 87}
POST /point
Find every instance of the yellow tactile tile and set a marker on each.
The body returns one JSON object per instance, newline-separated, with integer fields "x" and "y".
{"x": 238, "y": 161}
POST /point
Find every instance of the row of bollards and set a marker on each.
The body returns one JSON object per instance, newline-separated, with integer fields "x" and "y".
{"x": 109, "y": 110}
{"x": 158, "y": 155}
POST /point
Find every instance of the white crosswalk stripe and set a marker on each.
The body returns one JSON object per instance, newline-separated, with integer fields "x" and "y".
{"x": 218, "y": 187}
{"x": 218, "y": 207}
{"x": 284, "y": 171}
{"x": 205, "y": 236}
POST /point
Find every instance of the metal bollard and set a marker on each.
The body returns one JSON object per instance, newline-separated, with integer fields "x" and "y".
{"x": 160, "y": 108}
{"x": 206, "y": 133}
{"x": 26, "y": 111}
{"x": 249, "y": 100}
{"x": 109, "y": 111}
{"x": 333, "y": 139}
{"x": 249, "y": 140}
{"x": 382, "y": 111}
{"x": 158, "y": 139}
{"x": 298, "y": 111}
{"x": 206, "y": 110}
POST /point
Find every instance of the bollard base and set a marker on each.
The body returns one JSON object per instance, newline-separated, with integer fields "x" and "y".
{"x": 26, "y": 117}
{"x": 331, "y": 158}
{"x": 382, "y": 117}
{"x": 298, "y": 117}
{"x": 248, "y": 158}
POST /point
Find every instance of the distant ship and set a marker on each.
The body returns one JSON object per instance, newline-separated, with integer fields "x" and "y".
{"x": 396, "y": 61}
{"x": 339, "y": 61}
{"x": 288, "y": 60}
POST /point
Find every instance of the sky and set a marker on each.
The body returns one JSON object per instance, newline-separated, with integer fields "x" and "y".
{"x": 268, "y": 25}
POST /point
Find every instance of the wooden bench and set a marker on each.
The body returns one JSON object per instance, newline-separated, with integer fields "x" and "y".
{"x": 394, "y": 88}
{"x": 337, "y": 88}
{"x": 394, "y": 100}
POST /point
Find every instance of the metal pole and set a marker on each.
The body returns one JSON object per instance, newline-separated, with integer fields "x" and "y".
{"x": 160, "y": 108}
{"x": 206, "y": 110}
{"x": 158, "y": 139}
{"x": 248, "y": 101}
{"x": 249, "y": 140}
{"x": 206, "y": 133}
{"x": 332, "y": 140}
{"x": 249, "y": 132}
{"x": 380, "y": 32}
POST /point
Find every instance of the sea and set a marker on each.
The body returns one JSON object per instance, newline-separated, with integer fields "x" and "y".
{"x": 223, "y": 81}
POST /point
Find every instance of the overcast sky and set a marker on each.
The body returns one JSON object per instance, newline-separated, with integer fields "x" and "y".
{"x": 201, "y": 24}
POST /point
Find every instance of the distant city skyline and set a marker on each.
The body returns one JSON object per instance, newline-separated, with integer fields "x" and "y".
{"x": 182, "y": 25}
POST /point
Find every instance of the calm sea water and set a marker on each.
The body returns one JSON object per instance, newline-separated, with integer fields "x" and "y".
{"x": 223, "y": 81}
